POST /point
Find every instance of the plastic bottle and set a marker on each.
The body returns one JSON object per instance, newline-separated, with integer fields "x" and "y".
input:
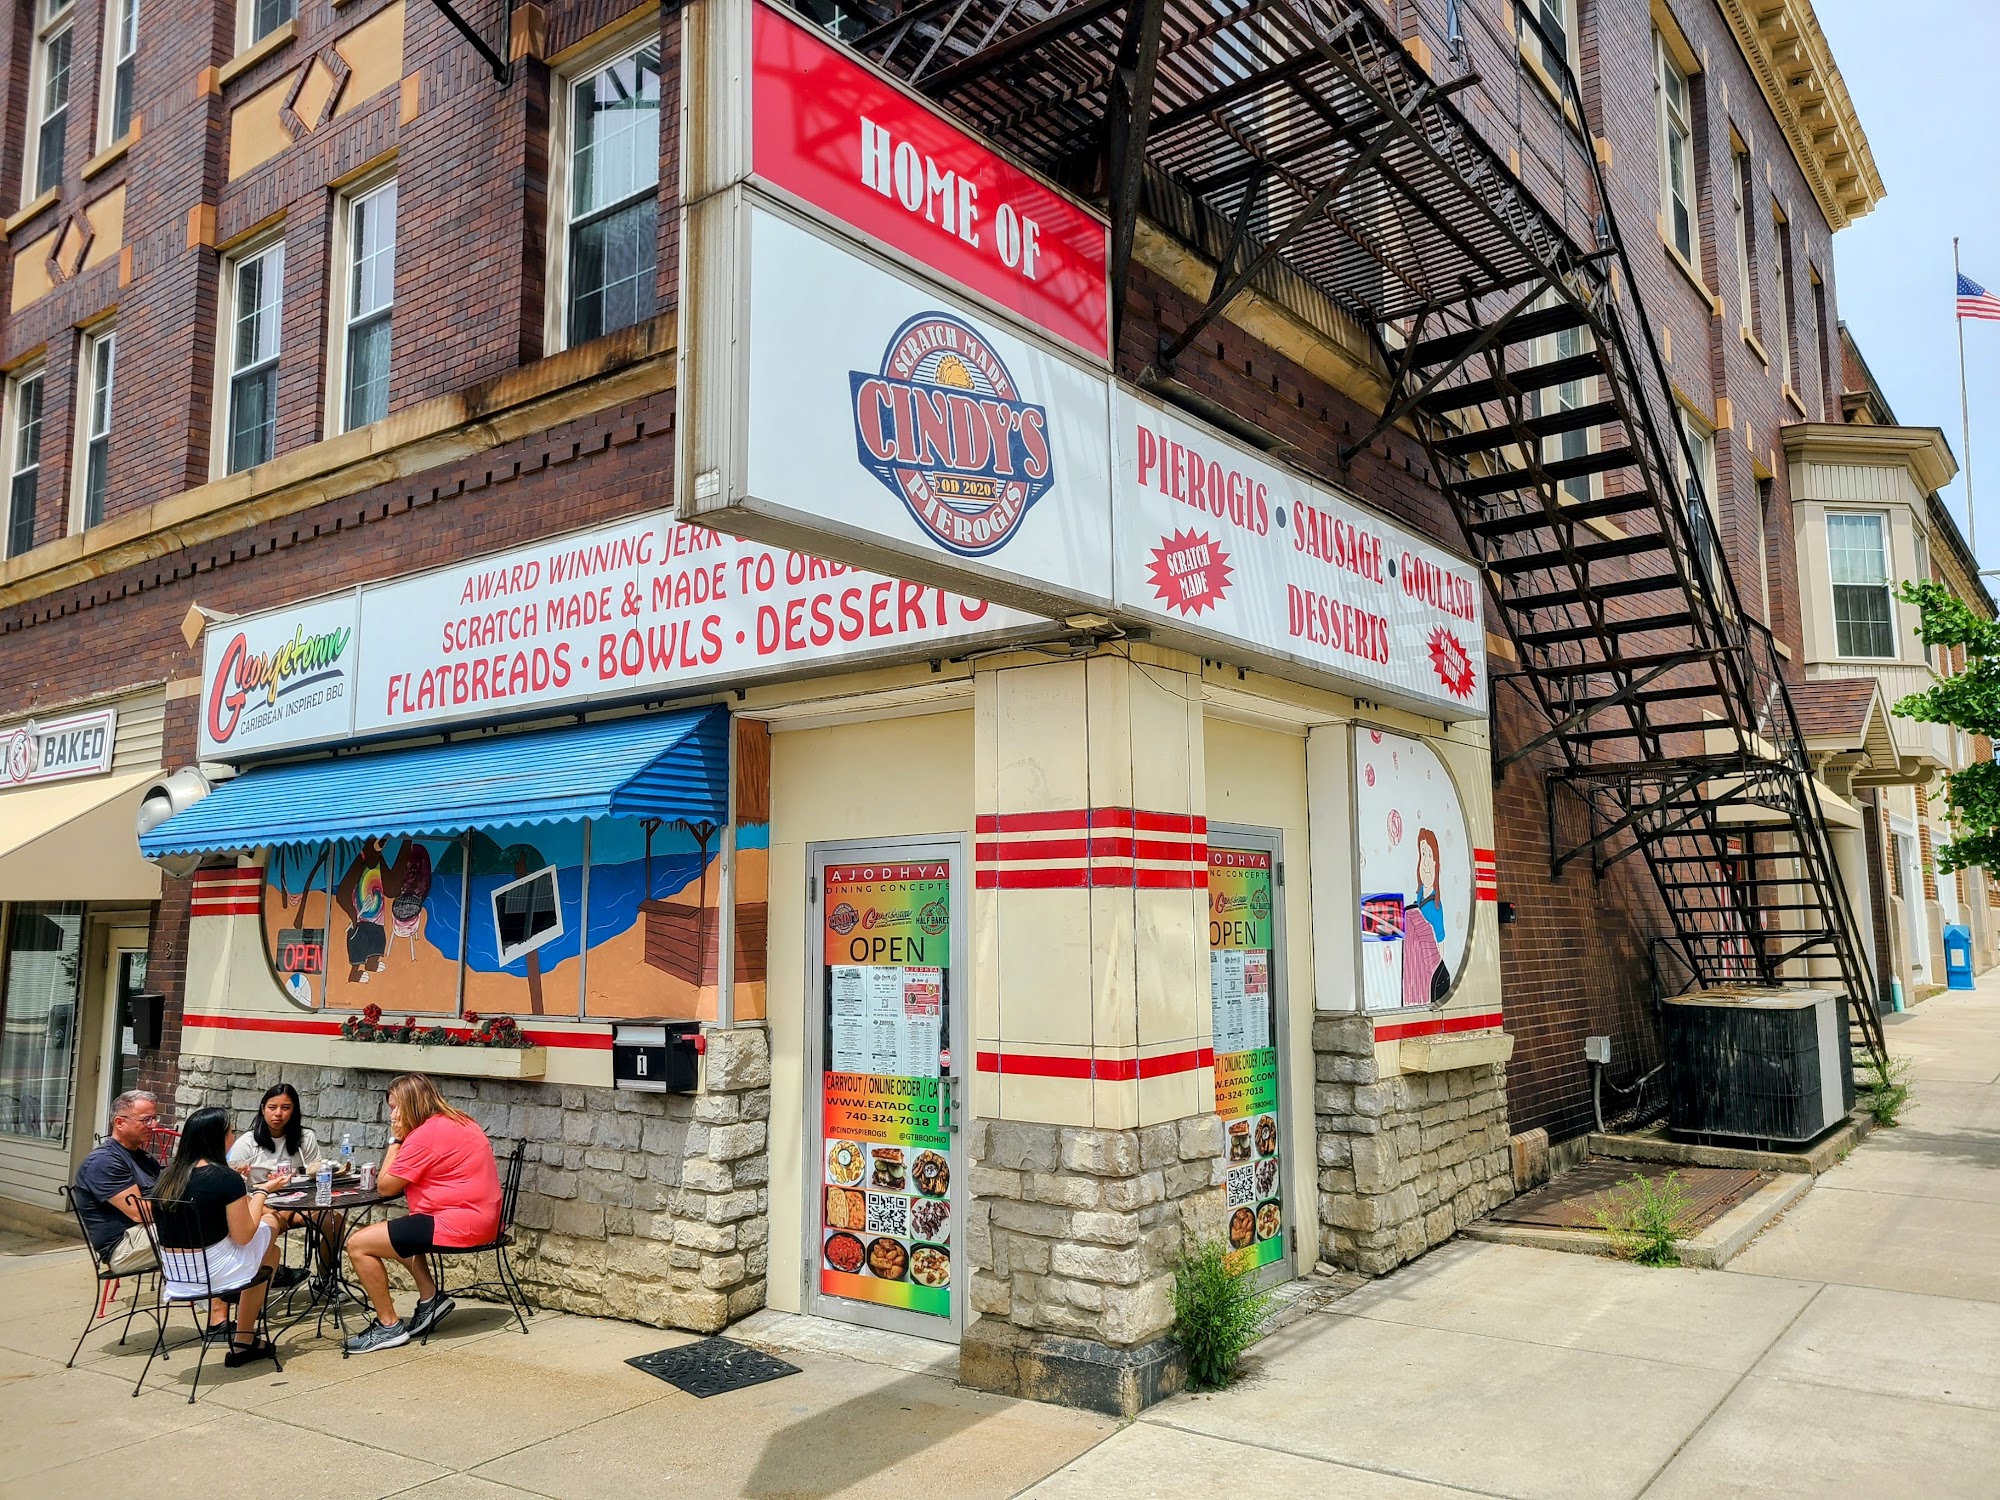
{"x": 323, "y": 1184}
{"x": 346, "y": 1154}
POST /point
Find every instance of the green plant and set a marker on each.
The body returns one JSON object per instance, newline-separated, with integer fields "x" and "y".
{"x": 1218, "y": 1313}
{"x": 1647, "y": 1220}
{"x": 1886, "y": 1088}
{"x": 1967, "y": 699}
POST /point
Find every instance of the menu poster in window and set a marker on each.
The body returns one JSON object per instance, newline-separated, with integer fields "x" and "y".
{"x": 1246, "y": 1054}
{"x": 886, "y": 1225}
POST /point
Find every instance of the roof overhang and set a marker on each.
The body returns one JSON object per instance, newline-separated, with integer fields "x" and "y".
{"x": 1923, "y": 451}
{"x": 1783, "y": 43}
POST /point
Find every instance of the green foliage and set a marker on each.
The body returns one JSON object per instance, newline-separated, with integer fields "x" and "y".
{"x": 1647, "y": 1220}
{"x": 1967, "y": 700}
{"x": 1218, "y": 1313}
{"x": 1886, "y": 1088}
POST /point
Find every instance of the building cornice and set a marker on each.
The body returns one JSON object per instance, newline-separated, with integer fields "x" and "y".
{"x": 1921, "y": 450}
{"x": 1788, "y": 52}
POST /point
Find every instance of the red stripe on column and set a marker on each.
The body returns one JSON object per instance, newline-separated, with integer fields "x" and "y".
{"x": 1435, "y": 1026}
{"x": 1109, "y": 1069}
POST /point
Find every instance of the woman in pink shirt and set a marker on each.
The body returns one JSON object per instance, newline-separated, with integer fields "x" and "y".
{"x": 443, "y": 1164}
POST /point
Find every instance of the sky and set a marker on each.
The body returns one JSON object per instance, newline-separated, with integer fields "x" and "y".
{"x": 1922, "y": 77}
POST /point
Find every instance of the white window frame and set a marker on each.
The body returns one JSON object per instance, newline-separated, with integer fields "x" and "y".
{"x": 1888, "y": 586}
{"x": 1739, "y": 210}
{"x": 11, "y": 467}
{"x": 121, "y": 27}
{"x": 555, "y": 324}
{"x": 341, "y": 324}
{"x": 101, "y": 340}
{"x": 1674, "y": 121}
{"x": 1702, "y": 438}
{"x": 1564, "y": 397}
{"x": 247, "y": 35}
{"x": 1566, "y": 27}
{"x": 225, "y": 361}
{"x": 52, "y": 22}
{"x": 1781, "y": 234}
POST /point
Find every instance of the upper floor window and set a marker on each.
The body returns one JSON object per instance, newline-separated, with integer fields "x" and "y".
{"x": 255, "y": 285}
{"x": 100, "y": 364}
{"x": 1739, "y": 215}
{"x": 48, "y": 95}
{"x": 610, "y": 243}
{"x": 1781, "y": 269}
{"x": 369, "y": 272}
{"x": 1857, "y": 544}
{"x": 262, "y": 17}
{"x": 1551, "y": 40}
{"x": 1703, "y": 503}
{"x": 121, "y": 49}
{"x": 1677, "y": 181}
{"x": 24, "y": 459}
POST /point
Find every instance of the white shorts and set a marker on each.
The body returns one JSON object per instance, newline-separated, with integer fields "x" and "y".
{"x": 230, "y": 1265}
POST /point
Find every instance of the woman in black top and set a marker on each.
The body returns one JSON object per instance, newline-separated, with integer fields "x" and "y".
{"x": 200, "y": 1204}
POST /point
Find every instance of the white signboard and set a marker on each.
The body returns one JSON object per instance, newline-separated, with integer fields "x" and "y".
{"x": 1214, "y": 541}
{"x": 278, "y": 679}
{"x": 58, "y": 749}
{"x": 1415, "y": 867}
{"x": 628, "y": 610}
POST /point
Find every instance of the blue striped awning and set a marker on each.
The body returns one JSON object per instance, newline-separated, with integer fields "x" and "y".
{"x": 665, "y": 766}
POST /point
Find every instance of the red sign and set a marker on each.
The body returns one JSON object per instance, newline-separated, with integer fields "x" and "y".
{"x": 1189, "y": 572}
{"x": 832, "y": 133}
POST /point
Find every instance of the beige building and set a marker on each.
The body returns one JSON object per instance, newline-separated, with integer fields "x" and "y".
{"x": 1867, "y": 516}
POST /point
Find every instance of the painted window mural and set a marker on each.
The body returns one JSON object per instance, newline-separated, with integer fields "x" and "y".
{"x": 608, "y": 918}
{"x": 1415, "y": 870}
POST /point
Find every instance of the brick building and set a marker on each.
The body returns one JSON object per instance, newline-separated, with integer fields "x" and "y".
{"x": 314, "y": 316}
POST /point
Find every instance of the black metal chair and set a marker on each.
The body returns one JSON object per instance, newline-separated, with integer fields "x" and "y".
{"x": 106, "y": 1278}
{"x": 190, "y": 1268}
{"x": 505, "y": 1282}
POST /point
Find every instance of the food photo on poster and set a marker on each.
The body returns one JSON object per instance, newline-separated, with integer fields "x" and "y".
{"x": 1415, "y": 864}
{"x": 1241, "y": 936}
{"x": 886, "y": 1224}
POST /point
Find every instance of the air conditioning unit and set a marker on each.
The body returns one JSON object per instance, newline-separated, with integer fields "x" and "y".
{"x": 1757, "y": 1064}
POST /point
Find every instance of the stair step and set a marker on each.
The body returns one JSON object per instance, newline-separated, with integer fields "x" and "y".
{"x": 1611, "y": 588}
{"x": 1566, "y": 515}
{"x": 1528, "y": 378}
{"x": 1637, "y": 625}
{"x": 1529, "y": 325}
{"x": 1586, "y": 552}
{"x": 1629, "y": 664}
{"x": 1531, "y": 430}
{"x": 1557, "y": 469}
{"x": 1653, "y": 695}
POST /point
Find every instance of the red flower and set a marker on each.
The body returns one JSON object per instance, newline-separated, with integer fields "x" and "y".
{"x": 372, "y": 1014}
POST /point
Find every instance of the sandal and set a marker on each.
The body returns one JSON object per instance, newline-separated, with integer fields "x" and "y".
{"x": 240, "y": 1355}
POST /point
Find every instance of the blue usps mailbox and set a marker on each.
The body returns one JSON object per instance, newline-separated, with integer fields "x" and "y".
{"x": 1957, "y": 956}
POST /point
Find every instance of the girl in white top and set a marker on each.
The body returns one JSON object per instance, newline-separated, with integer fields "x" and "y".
{"x": 278, "y": 1149}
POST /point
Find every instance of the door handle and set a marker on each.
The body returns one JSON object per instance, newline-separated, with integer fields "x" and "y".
{"x": 948, "y": 1103}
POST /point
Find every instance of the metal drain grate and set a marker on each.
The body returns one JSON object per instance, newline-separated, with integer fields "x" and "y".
{"x": 712, "y": 1366}
{"x": 1573, "y": 1200}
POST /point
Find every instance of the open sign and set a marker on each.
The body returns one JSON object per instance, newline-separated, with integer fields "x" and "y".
{"x": 302, "y": 950}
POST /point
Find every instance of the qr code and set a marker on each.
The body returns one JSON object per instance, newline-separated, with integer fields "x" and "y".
{"x": 888, "y": 1214}
{"x": 1242, "y": 1183}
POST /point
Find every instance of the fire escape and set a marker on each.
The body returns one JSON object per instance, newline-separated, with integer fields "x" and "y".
{"x": 1307, "y": 151}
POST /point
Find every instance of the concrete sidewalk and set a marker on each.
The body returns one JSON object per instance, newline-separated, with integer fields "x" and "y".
{"x": 1854, "y": 1349}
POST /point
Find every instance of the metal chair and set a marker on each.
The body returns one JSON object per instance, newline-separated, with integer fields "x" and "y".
{"x": 505, "y": 1282}
{"x": 106, "y": 1282}
{"x": 190, "y": 1267}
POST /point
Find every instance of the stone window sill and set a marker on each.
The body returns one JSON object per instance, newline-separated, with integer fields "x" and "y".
{"x": 256, "y": 52}
{"x": 112, "y": 153}
{"x": 1797, "y": 405}
{"x": 1756, "y": 347}
{"x": 28, "y": 210}
{"x": 454, "y": 1062}
{"x": 1687, "y": 269}
{"x": 1442, "y": 1054}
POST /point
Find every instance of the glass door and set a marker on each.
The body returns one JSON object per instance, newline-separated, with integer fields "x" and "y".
{"x": 884, "y": 1166}
{"x": 1246, "y": 999}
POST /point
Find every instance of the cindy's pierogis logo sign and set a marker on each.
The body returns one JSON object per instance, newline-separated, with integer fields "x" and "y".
{"x": 250, "y": 689}
{"x": 944, "y": 428}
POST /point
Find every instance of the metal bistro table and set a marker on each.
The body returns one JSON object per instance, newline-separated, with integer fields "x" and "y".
{"x": 329, "y": 1225}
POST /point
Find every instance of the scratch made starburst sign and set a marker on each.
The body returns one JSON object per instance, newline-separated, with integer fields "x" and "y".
{"x": 1452, "y": 662}
{"x": 1190, "y": 572}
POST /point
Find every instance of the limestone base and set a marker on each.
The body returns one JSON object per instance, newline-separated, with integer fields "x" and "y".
{"x": 998, "y": 1356}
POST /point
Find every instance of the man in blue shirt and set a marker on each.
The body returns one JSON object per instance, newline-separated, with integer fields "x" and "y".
{"x": 113, "y": 1178}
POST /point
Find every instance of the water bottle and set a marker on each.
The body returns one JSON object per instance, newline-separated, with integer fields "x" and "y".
{"x": 323, "y": 1184}
{"x": 346, "y": 1155}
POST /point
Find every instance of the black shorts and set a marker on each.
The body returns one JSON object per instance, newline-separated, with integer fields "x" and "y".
{"x": 413, "y": 1234}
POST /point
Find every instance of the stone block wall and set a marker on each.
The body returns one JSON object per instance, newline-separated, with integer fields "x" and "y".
{"x": 1076, "y": 1232}
{"x": 1404, "y": 1161}
{"x": 651, "y": 1207}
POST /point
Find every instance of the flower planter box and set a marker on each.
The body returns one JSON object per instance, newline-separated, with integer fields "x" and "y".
{"x": 451, "y": 1062}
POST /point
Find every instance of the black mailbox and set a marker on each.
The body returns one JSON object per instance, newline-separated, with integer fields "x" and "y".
{"x": 660, "y": 1059}
{"x": 145, "y": 1011}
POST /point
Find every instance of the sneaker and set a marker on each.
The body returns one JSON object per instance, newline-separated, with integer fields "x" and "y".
{"x": 379, "y": 1337}
{"x": 429, "y": 1313}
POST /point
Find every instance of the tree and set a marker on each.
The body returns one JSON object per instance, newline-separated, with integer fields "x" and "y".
{"x": 1967, "y": 700}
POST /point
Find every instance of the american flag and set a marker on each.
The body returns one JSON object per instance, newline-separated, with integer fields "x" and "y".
{"x": 1974, "y": 301}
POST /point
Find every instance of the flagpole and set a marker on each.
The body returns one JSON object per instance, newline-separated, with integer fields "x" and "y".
{"x": 1964, "y": 410}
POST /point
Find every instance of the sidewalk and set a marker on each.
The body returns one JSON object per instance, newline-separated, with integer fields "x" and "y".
{"x": 1853, "y": 1350}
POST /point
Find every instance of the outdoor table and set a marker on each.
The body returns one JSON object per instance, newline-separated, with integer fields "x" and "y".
{"x": 327, "y": 1224}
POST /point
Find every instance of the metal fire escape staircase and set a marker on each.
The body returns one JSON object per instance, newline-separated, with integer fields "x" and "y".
{"x": 1304, "y": 148}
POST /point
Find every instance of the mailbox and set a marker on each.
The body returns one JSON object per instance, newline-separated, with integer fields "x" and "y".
{"x": 1957, "y": 956}
{"x": 145, "y": 1012}
{"x": 659, "y": 1059}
